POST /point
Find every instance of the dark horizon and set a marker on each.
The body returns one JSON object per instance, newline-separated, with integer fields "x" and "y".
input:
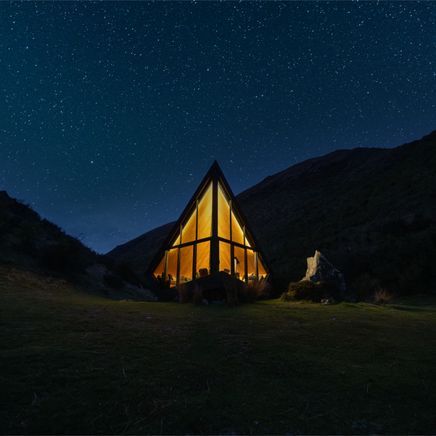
{"x": 113, "y": 112}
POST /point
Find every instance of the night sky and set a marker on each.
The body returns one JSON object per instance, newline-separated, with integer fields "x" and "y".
{"x": 112, "y": 112}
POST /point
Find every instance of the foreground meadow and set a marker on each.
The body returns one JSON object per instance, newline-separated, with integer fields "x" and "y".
{"x": 76, "y": 363}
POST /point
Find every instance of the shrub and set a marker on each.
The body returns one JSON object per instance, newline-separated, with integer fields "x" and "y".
{"x": 382, "y": 296}
{"x": 183, "y": 294}
{"x": 365, "y": 286}
{"x": 165, "y": 293}
{"x": 248, "y": 294}
{"x": 113, "y": 281}
{"x": 310, "y": 291}
{"x": 304, "y": 290}
{"x": 197, "y": 295}
{"x": 128, "y": 275}
{"x": 232, "y": 296}
{"x": 255, "y": 290}
{"x": 63, "y": 257}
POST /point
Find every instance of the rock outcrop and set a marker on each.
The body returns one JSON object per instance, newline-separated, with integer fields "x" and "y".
{"x": 319, "y": 269}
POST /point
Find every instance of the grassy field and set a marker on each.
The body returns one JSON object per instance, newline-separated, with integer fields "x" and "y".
{"x": 75, "y": 363}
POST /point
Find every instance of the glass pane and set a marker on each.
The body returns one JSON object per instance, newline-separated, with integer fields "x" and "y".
{"x": 205, "y": 214}
{"x": 186, "y": 260}
{"x": 225, "y": 257}
{"x": 237, "y": 233}
{"x": 251, "y": 264}
{"x": 223, "y": 215}
{"x": 239, "y": 263}
{"x": 177, "y": 241}
{"x": 188, "y": 231}
{"x": 203, "y": 259}
{"x": 160, "y": 269}
{"x": 247, "y": 243}
{"x": 260, "y": 267}
{"x": 172, "y": 266}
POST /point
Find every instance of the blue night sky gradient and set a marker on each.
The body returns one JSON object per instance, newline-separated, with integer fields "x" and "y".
{"x": 112, "y": 112}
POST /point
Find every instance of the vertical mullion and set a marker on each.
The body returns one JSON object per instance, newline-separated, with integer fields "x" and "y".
{"x": 256, "y": 265}
{"x": 245, "y": 266}
{"x": 178, "y": 257}
{"x": 245, "y": 255}
{"x": 178, "y": 265}
{"x": 165, "y": 265}
{"x": 194, "y": 256}
{"x": 232, "y": 250}
{"x": 214, "y": 249}
{"x": 230, "y": 219}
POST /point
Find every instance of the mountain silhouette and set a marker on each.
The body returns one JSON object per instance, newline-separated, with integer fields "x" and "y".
{"x": 371, "y": 211}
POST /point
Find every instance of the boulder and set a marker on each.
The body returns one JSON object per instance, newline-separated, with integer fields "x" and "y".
{"x": 319, "y": 269}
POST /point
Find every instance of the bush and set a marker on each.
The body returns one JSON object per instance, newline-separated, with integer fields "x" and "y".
{"x": 113, "y": 281}
{"x": 310, "y": 291}
{"x": 365, "y": 286}
{"x": 128, "y": 275}
{"x": 165, "y": 293}
{"x": 183, "y": 294}
{"x": 232, "y": 296}
{"x": 382, "y": 296}
{"x": 197, "y": 295}
{"x": 64, "y": 258}
{"x": 255, "y": 290}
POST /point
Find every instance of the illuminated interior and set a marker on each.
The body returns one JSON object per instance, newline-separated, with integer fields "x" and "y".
{"x": 225, "y": 257}
{"x": 189, "y": 254}
{"x": 233, "y": 238}
{"x": 203, "y": 259}
{"x": 223, "y": 215}
{"x": 205, "y": 214}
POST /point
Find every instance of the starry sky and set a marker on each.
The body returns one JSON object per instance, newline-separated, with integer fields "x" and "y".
{"x": 112, "y": 112}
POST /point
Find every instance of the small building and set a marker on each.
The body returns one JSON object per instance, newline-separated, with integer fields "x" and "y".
{"x": 211, "y": 241}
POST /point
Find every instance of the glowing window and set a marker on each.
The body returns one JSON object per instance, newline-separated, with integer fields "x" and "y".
{"x": 188, "y": 230}
{"x": 160, "y": 269}
{"x": 205, "y": 214}
{"x": 186, "y": 261}
{"x": 225, "y": 264}
{"x": 239, "y": 262}
{"x": 251, "y": 264}
{"x": 177, "y": 241}
{"x": 203, "y": 259}
{"x": 261, "y": 269}
{"x": 223, "y": 215}
{"x": 237, "y": 232}
{"x": 172, "y": 266}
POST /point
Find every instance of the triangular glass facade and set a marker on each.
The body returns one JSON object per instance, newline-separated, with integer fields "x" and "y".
{"x": 211, "y": 238}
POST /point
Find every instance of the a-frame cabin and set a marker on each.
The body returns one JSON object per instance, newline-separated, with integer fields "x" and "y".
{"x": 211, "y": 238}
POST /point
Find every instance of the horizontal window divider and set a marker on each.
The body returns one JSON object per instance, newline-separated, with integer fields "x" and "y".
{"x": 197, "y": 241}
{"x": 237, "y": 244}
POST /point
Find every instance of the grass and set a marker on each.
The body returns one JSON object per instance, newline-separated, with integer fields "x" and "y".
{"x": 76, "y": 363}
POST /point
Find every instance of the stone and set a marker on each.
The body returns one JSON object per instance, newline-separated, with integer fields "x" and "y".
{"x": 319, "y": 269}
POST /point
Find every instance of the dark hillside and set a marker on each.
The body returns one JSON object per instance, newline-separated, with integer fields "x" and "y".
{"x": 139, "y": 252}
{"x": 371, "y": 211}
{"x": 31, "y": 243}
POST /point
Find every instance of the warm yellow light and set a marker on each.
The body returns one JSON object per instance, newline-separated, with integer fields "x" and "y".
{"x": 186, "y": 260}
{"x": 224, "y": 253}
{"x": 205, "y": 214}
{"x": 239, "y": 262}
{"x": 203, "y": 259}
{"x": 188, "y": 230}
